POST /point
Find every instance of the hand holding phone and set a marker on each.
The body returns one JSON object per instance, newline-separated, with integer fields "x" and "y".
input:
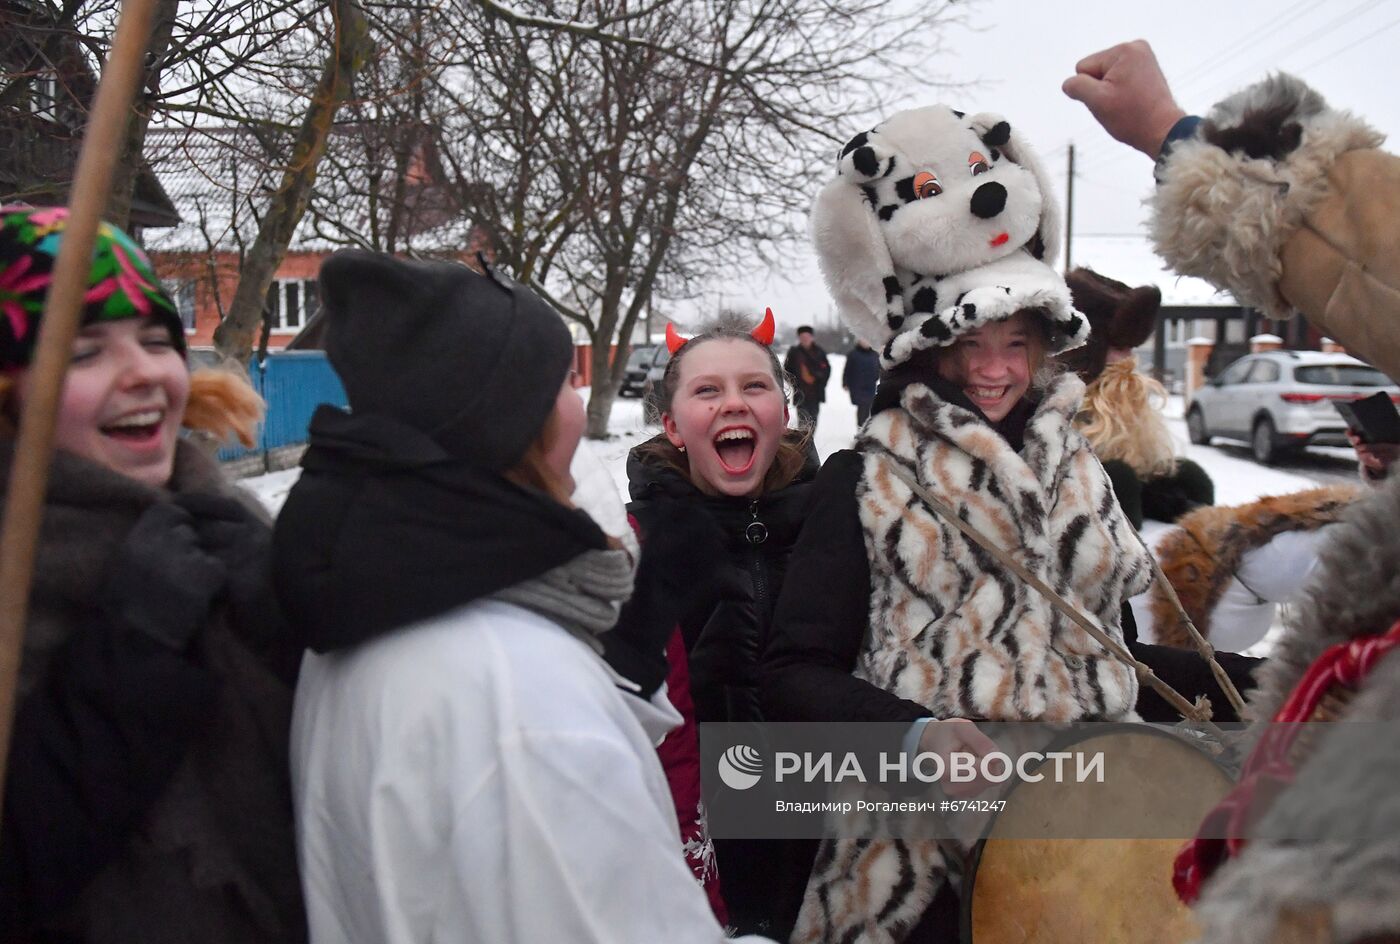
{"x": 1374, "y": 419}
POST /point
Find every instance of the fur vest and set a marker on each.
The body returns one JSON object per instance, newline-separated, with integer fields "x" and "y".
{"x": 951, "y": 630}
{"x": 1338, "y": 874}
{"x": 1202, "y": 556}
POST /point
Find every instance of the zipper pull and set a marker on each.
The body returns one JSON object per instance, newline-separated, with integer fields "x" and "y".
{"x": 757, "y": 532}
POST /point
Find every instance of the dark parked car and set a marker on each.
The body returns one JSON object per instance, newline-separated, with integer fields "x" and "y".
{"x": 634, "y": 377}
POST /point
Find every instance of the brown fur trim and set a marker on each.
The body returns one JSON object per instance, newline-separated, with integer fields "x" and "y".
{"x": 1261, "y": 133}
{"x": 1201, "y": 557}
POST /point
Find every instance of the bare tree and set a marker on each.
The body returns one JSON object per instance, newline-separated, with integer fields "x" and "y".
{"x": 350, "y": 45}
{"x": 618, "y": 152}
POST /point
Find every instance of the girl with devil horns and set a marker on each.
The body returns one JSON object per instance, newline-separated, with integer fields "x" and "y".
{"x": 726, "y": 486}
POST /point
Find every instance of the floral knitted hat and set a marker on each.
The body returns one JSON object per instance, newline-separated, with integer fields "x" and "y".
{"x": 121, "y": 283}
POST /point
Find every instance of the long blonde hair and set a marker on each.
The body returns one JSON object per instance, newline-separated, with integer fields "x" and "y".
{"x": 1122, "y": 419}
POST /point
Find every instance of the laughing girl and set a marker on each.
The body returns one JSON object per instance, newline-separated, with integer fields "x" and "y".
{"x": 148, "y": 794}
{"x": 890, "y": 614}
{"x": 727, "y": 451}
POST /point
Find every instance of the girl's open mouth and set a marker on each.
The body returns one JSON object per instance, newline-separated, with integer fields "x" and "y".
{"x": 736, "y": 448}
{"x": 986, "y": 395}
{"x": 136, "y": 429}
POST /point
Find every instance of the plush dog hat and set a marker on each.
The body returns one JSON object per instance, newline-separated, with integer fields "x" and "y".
{"x": 938, "y": 223}
{"x": 1120, "y": 316}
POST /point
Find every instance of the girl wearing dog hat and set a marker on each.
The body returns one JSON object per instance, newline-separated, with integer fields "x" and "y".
{"x": 934, "y": 240}
{"x": 148, "y": 794}
{"x": 468, "y": 765}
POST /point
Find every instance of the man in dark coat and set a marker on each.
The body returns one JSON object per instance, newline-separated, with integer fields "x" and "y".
{"x": 806, "y": 363}
{"x": 860, "y": 377}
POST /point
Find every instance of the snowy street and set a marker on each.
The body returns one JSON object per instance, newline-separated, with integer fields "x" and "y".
{"x": 1238, "y": 478}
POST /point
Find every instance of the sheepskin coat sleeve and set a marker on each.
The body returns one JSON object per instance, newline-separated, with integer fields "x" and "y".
{"x": 949, "y": 628}
{"x": 1290, "y": 205}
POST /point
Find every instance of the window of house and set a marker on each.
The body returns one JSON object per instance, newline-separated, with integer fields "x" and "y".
{"x": 182, "y": 290}
{"x": 43, "y": 96}
{"x": 291, "y": 303}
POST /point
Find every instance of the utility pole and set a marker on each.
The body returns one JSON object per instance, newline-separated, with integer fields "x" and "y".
{"x": 1069, "y": 210}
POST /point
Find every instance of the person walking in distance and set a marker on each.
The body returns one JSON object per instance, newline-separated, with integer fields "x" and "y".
{"x": 810, "y": 371}
{"x": 860, "y": 377}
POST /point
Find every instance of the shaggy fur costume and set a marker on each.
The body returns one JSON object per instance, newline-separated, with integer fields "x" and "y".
{"x": 938, "y": 223}
{"x": 1224, "y": 215}
{"x": 951, "y": 630}
{"x": 1341, "y": 865}
{"x": 1203, "y": 556}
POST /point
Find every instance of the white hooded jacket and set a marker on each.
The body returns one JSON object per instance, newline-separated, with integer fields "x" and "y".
{"x": 480, "y": 777}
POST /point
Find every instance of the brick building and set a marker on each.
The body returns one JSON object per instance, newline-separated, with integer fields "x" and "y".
{"x": 220, "y": 179}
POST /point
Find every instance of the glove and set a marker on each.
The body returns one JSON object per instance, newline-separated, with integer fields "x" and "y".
{"x": 163, "y": 582}
{"x": 233, "y": 534}
{"x": 681, "y": 551}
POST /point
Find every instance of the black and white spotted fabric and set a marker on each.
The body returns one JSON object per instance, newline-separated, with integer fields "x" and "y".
{"x": 936, "y": 223}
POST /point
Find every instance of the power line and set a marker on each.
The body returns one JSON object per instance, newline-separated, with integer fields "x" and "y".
{"x": 1214, "y": 61}
{"x": 1330, "y": 56}
{"x": 1335, "y": 23}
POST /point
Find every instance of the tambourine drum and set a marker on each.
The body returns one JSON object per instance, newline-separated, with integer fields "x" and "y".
{"x": 1093, "y": 891}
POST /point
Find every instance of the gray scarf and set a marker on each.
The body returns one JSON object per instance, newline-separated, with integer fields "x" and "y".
{"x": 584, "y": 595}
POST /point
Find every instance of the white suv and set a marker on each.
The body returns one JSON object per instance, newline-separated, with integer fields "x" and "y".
{"x": 1283, "y": 400}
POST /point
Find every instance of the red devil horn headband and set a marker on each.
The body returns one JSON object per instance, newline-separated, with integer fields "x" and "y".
{"x": 763, "y": 334}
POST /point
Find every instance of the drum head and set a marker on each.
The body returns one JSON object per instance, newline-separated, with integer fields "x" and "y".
{"x": 1094, "y": 891}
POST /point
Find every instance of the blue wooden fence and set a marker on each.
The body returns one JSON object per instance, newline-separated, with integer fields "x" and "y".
{"x": 293, "y": 383}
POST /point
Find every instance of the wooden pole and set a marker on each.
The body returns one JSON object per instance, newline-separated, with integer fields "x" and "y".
{"x": 92, "y": 183}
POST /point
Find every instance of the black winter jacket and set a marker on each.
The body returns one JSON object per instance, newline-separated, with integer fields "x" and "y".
{"x": 861, "y": 374}
{"x": 726, "y": 628}
{"x": 1162, "y": 497}
{"x": 816, "y": 366}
